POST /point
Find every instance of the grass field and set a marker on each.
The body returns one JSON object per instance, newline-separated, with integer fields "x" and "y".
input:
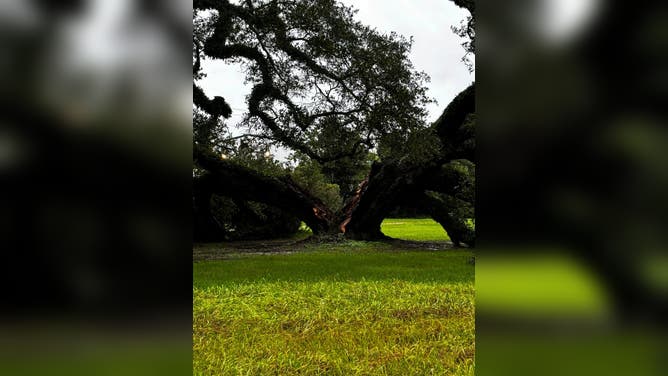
{"x": 348, "y": 308}
{"x": 423, "y": 229}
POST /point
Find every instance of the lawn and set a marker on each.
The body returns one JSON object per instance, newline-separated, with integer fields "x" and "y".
{"x": 347, "y": 308}
{"x": 421, "y": 229}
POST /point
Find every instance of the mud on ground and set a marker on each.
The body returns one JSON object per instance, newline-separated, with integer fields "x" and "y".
{"x": 234, "y": 249}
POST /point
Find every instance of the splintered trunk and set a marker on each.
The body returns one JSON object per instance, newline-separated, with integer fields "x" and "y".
{"x": 387, "y": 186}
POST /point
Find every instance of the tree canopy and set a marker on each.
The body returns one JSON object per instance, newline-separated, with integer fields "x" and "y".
{"x": 324, "y": 84}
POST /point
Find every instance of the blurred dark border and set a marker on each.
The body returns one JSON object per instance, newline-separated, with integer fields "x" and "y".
{"x": 573, "y": 149}
{"x": 95, "y": 165}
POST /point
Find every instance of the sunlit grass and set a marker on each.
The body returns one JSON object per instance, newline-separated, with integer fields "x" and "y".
{"x": 420, "y": 229}
{"x": 354, "y": 308}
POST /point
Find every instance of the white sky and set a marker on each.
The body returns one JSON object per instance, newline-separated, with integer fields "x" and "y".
{"x": 436, "y": 50}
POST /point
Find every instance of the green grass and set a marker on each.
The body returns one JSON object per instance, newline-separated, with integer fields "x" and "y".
{"x": 418, "y": 229}
{"x": 421, "y": 229}
{"x": 351, "y": 308}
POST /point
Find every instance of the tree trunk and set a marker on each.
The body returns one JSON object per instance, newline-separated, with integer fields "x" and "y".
{"x": 387, "y": 185}
{"x": 441, "y": 209}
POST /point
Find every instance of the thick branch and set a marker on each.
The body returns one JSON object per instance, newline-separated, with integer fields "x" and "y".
{"x": 217, "y": 47}
{"x": 229, "y": 179}
{"x": 451, "y": 214}
{"x": 455, "y": 127}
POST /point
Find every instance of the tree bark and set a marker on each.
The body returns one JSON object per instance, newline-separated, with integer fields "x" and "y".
{"x": 441, "y": 210}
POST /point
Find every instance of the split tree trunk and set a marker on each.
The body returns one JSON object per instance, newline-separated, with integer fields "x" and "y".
{"x": 388, "y": 184}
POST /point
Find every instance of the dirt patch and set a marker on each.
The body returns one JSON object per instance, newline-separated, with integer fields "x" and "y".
{"x": 228, "y": 250}
{"x": 428, "y": 246}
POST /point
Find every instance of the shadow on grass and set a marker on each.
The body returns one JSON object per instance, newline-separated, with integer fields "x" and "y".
{"x": 359, "y": 261}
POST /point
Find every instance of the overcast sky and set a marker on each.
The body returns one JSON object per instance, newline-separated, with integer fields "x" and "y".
{"x": 436, "y": 50}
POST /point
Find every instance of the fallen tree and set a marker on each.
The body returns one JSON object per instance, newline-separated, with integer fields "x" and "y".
{"x": 375, "y": 102}
{"x": 388, "y": 185}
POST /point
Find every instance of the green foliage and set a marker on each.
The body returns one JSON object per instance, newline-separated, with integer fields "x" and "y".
{"x": 324, "y": 85}
{"x": 313, "y": 66}
{"x": 206, "y": 128}
{"x": 468, "y": 132}
{"x": 347, "y": 173}
{"x": 257, "y": 157}
{"x": 360, "y": 308}
{"x": 416, "y": 147}
{"x": 466, "y": 30}
{"x": 462, "y": 173}
{"x": 253, "y": 220}
{"x": 347, "y": 169}
{"x": 309, "y": 176}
